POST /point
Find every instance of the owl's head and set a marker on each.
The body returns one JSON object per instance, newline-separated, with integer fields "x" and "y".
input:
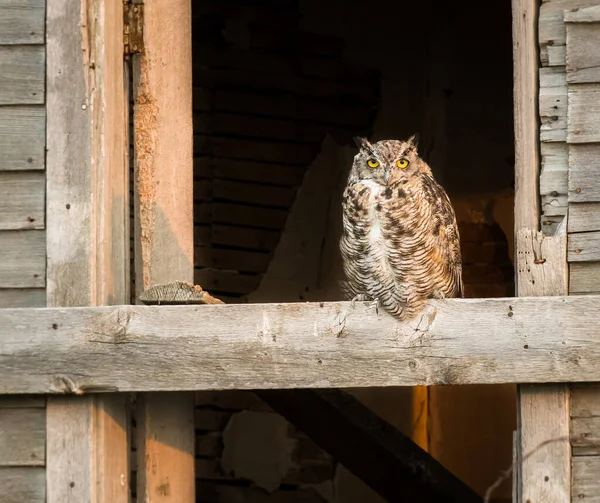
{"x": 387, "y": 161}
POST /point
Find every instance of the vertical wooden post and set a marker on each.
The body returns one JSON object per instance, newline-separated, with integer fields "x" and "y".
{"x": 87, "y": 232}
{"x": 541, "y": 267}
{"x": 164, "y": 240}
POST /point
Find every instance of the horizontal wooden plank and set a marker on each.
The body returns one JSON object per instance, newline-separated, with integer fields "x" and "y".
{"x": 584, "y": 172}
{"x": 23, "y": 263}
{"x": 241, "y": 237}
{"x": 23, "y": 484}
{"x": 583, "y": 57}
{"x": 583, "y": 14}
{"x": 586, "y": 485}
{"x": 239, "y": 214}
{"x": 583, "y": 247}
{"x": 214, "y": 280}
{"x": 554, "y": 205}
{"x": 22, "y": 21}
{"x": 22, "y": 200}
{"x": 22, "y": 79}
{"x": 236, "y": 260}
{"x": 584, "y": 217}
{"x": 22, "y": 137}
{"x": 585, "y": 435}
{"x": 22, "y": 437}
{"x": 298, "y": 345}
{"x": 553, "y": 108}
{"x": 583, "y": 122}
{"x": 243, "y": 192}
{"x": 554, "y": 173}
{"x": 551, "y": 24}
{"x": 585, "y": 400}
{"x": 553, "y": 55}
{"x": 238, "y": 169}
{"x": 21, "y": 402}
{"x": 22, "y": 297}
{"x": 584, "y": 277}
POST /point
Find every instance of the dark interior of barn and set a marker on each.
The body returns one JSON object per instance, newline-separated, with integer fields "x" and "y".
{"x": 280, "y": 89}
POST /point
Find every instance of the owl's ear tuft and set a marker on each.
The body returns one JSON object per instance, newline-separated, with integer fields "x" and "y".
{"x": 362, "y": 143}
{"x": 414, "y": 140}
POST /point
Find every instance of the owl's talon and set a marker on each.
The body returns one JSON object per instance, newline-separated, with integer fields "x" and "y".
{"x": 360, "y": 297}
{"x": 374, "y": 304}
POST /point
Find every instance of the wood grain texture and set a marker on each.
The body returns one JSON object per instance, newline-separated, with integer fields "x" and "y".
{"x": 164, "y": 241}
{"x": 22, "y": 436}
{"x": 584, "y": 173}
{"x": 584, "y": 217}
{"x": 584, "y": 277}
{"x": 525, "y": 56}
{"x": 22, "y": 137}
{"x": 586, "y": 486}
{"x": 23, "y": 484}
{"x": 583, "y": 58}
{"x": 554, "y": 175}
{"x": 23, "y": 263}
{"x": 20, "y": 402}
{"x": 583, "y": 122}
{"x": 246, "y": 346}
{"x": 543, "y": 412}
{"x": 585, "y": 435}
{"x": 585, "y": 400}
{"x": 553, "y": 104}
{"x": 582, "y": 14}
{"x": 584, "y": 247}
{"x": 22, "y": 21}
{"x": 22, "y": 200}
{"x": 22, "y": 76}
{"x": 22, "y": 297}
{"x": 87, "y": 226}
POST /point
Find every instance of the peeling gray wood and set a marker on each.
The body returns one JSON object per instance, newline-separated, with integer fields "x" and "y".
{"x": 22, "y": 75}
{"x": 584, "y": 247}
{"x": 250, "y": 346}
{"x": 22, "y": 200}
{"x": 585, "y": 435}
{"x": 22, "y": 21}
{"x": 22, "y": 437}
{"x": 584, "y": 278}
{"x": 23, "y": 484}
{"x": 583, "y": 14}
{"x": 23, "y": 263}
{"x": 585, "y": 400}
{"x": 553, "y": 104}
{"x": 583, "y": 121}
{"x": 22, "y": 137}
{"x": 583, "y": 57}
{"x": 554, "y": 175}
{"x": 554, "y": 205}
{"x": 584, "y": 172}
{"x": 586, "y": 485}
{"x": 22, "y": 297}
{"x": 584, "y": 217}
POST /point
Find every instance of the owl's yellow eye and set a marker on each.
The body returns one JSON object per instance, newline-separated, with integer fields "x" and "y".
{"x": 372, "y": 163}
{"x": 402, "y": 163}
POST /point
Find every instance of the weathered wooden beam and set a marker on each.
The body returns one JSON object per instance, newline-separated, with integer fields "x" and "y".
{"x": 164, "y": 230}
{"x": 376, "y": 452}
{"x": 298, "y": 345}
{"x": 87, "y": 224}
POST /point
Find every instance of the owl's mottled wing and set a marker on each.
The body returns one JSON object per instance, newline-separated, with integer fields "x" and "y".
{"x": 446, "y": 228}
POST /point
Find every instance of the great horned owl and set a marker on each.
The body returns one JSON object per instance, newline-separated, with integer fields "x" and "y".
{"x": 400, "y": 242}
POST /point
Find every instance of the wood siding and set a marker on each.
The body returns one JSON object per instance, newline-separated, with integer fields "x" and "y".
{"x": 22, "y": 229}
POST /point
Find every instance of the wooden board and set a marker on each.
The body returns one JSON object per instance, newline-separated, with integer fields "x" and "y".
{"x": 525, "y": 92}
{"x": 241, "y": 237}
{"x": 584, "y": 113}
{"x": 23, "y": 263}
{"x": 240, "y": 214}
{"x": 253, "y": 346}
{"x": 584, "y": 217}
{"x": 585, "y": 400}
{"x": 585, "y": 479}
{"x": 22, "y": 297}
{"x": 584, "y": 247}
{"x": 584, "y": 173}
{"x": 22, "y": 21}
{"x": 244, "y": 192}
{"x": 22, "y": 402}
{"x": 22, "y": 437}
{"x": 583, "y": 58}
{"x": 552, "y": 104}
{"x": 237, "y": 260}
{"x": 22, "y": 137}
{"x": 23, "y": 485}
{"x": 22, "y": 200}
{"x": 585, "y": 434}
{"x": 87, "y": 211}
{"x": 554, "y": 175}
{"x": 22, "y": 77}
{"x": 164, "y": 241}
{"x": 584, "y": 277}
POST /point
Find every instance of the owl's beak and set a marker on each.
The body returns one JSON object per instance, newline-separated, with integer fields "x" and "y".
{"x": 386, "y": 174}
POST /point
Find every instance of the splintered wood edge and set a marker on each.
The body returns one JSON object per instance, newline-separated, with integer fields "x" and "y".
{"x": 177, "y": 292}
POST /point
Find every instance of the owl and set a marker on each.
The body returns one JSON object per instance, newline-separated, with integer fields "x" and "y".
{"x": 400, "y": 242}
